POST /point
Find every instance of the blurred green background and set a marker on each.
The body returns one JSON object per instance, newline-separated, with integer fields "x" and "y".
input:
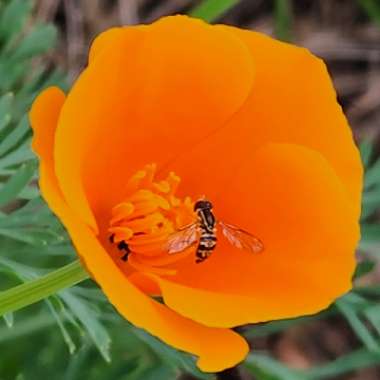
{"x": 76, "y": 334}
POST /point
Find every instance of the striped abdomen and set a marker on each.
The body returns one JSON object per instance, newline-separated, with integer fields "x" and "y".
{"x": 207, "y": 239}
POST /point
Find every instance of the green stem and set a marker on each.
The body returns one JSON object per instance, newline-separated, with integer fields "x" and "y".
{"x": 40, "y": 288}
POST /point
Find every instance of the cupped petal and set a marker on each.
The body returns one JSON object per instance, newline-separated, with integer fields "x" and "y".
{"x": 148, "y": 94}
{"x": 217, "y": 348}
{"x": 294, "y": 101}
{"x": 291, "y": 198}
{"x": 43, "y": 117}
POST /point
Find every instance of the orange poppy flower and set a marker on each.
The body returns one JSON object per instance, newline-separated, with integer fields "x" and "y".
{"x": 168, "y": 112}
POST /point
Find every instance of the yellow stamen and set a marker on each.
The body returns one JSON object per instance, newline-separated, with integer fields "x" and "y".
{"x": 121, "y": 233}
{"x": 146, "y": 218}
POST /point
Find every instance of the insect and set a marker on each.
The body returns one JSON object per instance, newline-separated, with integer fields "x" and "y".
{"x": 203, "y": 233}
{"x": 122, "y": 246}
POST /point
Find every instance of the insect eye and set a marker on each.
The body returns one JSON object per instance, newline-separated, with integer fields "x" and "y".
{"x": 202, "y": 204}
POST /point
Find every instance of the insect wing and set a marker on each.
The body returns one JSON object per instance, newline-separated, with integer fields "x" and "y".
{"x": 182, "y": 239}
{"x": 241, "y": 239}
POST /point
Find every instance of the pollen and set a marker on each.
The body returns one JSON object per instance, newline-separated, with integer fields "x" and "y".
{"x": 142, "y": 222}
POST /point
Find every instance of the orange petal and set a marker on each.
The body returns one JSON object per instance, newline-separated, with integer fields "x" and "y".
{"x": 105, "y": 40}
{"x": 145, "y": 284}
{"x": 294, "y": 101}
{"x": 43, "y": 117}
{"x": 150, "y": 94}
{"x": 217, "y": 348}
{"x": 292, "y": 199}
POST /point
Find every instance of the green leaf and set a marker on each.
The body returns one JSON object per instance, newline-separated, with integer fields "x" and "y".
{"x": 267, "y": 368}
{"x": 366, "y": 150}
{"x": 171, "y": 356}
{"x": 88, "y": 319}
{"x": 25, "y": 327}
{"x": 373, "y": 315}
{"x": 9, "y": 319}
{"x": 11, "y": 72}
{"x": 14, "y": 137}
{"x": 54, "y": 305}
{"x": 351, "y": 362}
{"x": 372, "y": 176}
{"x": 370, "y": 233}
{"x": 29, "y": 192}
{"x": 40, "y": 288}
{"x": 355, "y": 301}
{"x": 22, "y": 154}
{"x": 5, "y": 109}
{"x": 371, "y": 290}
{"x": 372, "y": 8}
{"x": 364, "y": 268}
{"x": 5, "y": 120}
{"x": 358, "y": 326}
{"x": 268, "y": 328}
{"x": 33, "y": 236}
{"x": 41, "y": 39}
{"x": 34, "y": 213}
{"x": 156, "y": 373}
{"x": 17, "y": 182}
{"x": 76, "y": 362}
{"x": 13, "y": 17}
{"x": 23, "y": 272}
{"x": 370, "y": 203}
{"x": 283, "y": 19}
{"x": 210, "y": 10}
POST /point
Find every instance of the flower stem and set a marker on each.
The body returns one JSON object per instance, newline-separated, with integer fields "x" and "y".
{"x": 42, "y": 287}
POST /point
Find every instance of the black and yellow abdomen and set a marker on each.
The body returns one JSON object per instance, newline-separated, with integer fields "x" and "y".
{"x": 207, "y": 232}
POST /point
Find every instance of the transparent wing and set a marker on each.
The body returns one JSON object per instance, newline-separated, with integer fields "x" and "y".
{"x": 241, "y": 239}
{"x": 182, "y": 239}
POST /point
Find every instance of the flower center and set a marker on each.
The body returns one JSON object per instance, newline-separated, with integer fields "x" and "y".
{"x": 141, "y": 224}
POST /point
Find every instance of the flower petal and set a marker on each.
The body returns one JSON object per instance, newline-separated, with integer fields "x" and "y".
{"x": 43, "y": 116}
{"x": 292, "y": 199}
{"x": 294, "y": 101}
{"x": 217, "y": 348}
{"x": 148, "y": 94}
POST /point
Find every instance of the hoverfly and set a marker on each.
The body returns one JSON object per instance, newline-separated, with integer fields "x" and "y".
{"x": 203, "y": 233}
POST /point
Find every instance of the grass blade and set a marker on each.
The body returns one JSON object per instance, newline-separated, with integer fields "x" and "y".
{"x": 88, "y": 319}
{"x": 353, "y": 361}
{"x": 17, "y": 182}
{"x": 265, "y": 367}
{"x": 210, "y": 10}
{"x": 372, "y": 8}
{"x": 358, "y": 326}
{"x": 283, "y": 19}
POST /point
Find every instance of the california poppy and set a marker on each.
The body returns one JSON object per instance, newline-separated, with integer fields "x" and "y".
{"x": 169, "y": 112}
